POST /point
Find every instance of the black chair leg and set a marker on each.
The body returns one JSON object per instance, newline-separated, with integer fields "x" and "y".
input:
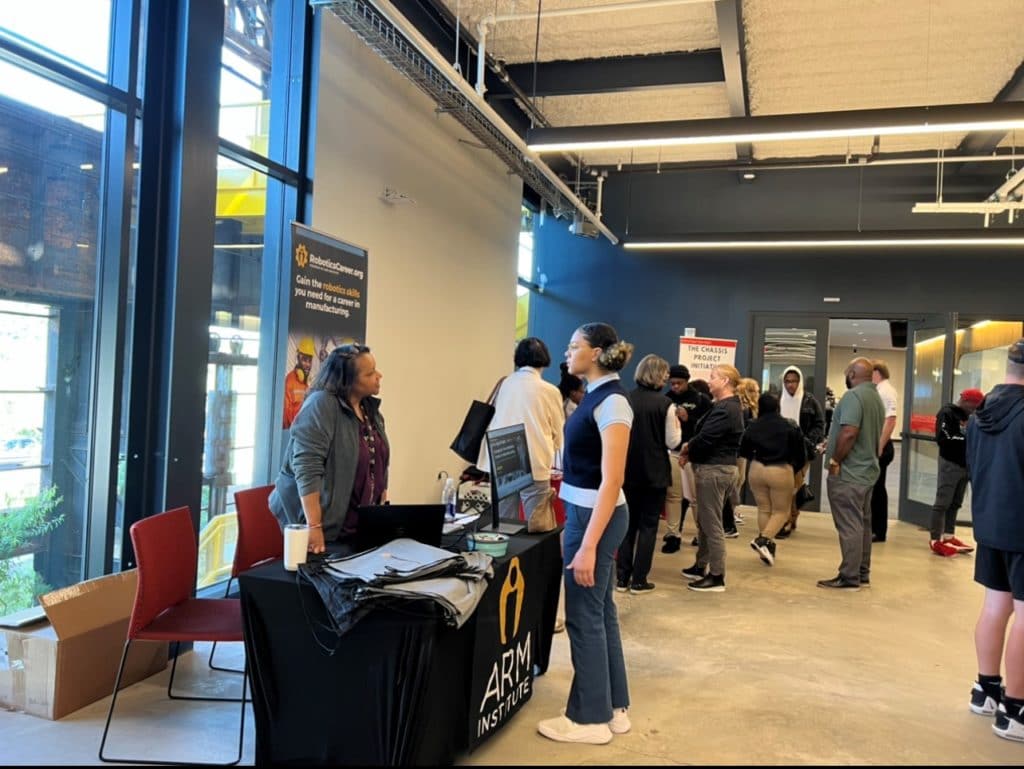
{"x": 213, "y": 648}
{"x": 117, "y": 685}
{"x": 113, "y": 701}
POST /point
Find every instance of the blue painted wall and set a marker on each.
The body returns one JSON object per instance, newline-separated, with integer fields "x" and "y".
{"x": 650, "y": 298}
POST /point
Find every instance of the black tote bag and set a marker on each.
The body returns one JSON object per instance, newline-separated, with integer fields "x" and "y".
{"x": 474, "y": 427}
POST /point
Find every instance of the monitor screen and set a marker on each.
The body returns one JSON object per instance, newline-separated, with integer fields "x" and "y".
{"x": 510, "y": 464}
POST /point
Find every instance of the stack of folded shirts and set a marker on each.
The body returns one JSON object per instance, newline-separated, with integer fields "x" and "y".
{"x": 402, "y": 569}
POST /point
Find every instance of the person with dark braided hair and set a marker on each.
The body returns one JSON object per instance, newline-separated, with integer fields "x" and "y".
{"x": 337, "y": 455}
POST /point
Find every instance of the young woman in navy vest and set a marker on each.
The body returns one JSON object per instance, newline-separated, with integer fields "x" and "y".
{"x": 596, "y": 518}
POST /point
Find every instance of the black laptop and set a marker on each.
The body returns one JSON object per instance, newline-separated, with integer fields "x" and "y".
{"x": 379, "y": 524}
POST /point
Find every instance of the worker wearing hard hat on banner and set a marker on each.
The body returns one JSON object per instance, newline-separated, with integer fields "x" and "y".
{"x": 297, "y": 381}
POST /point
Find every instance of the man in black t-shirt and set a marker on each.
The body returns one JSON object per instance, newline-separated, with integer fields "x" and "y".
{"x": 691, "y": 406}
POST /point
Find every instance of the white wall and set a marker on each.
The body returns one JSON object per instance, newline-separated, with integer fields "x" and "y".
{"x": 896, "y": 360}
{"x": 442, "y": 272}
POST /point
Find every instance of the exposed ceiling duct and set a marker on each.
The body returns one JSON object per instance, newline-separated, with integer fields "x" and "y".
{"x": 391, "y": 36}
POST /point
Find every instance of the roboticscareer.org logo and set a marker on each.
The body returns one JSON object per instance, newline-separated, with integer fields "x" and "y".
{"x": 301, "y": 256}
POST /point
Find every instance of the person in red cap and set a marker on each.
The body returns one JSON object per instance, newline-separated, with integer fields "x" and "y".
{"x": 951, "y": 434}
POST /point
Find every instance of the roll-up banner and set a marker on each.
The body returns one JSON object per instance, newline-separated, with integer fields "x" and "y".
{"x": 327, "y": 308}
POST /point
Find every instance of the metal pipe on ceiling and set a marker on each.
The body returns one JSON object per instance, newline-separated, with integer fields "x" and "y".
{"x": 810, "y": 164}
{"x": 638, "y": 5}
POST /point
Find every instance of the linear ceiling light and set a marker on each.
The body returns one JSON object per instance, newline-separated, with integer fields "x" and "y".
{"x": 845, "y": 242}
{"x": 951, "y": 118}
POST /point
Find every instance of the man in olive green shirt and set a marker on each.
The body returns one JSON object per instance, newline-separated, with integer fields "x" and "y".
{"x": 851, "y": 461}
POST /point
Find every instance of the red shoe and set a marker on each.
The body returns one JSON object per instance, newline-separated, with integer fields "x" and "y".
{"x": 961, "y": 547}
{"x": 941, "y": 548}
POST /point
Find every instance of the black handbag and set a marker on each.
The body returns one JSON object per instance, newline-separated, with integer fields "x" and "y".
{"x": 471, "y": 435}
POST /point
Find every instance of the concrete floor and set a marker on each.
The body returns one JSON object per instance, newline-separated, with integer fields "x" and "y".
{"x": 773, "y": 671}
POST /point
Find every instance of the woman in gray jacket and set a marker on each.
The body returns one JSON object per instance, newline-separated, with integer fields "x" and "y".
{"x": 337, "y": 454}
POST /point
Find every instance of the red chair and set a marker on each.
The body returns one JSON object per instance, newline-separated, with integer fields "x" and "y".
{"x": 259, "y": 540}
{"x": 164, "y": 610}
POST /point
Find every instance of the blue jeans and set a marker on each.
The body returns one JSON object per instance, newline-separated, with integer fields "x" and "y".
{"x": 599, "y": 669}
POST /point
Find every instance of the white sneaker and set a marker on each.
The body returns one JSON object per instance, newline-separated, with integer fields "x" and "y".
{"x": 620, "y": 723}
{"x": 562, "y": 729}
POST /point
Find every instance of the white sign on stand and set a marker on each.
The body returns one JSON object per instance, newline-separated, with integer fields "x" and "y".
{"x": 701, "y": 354}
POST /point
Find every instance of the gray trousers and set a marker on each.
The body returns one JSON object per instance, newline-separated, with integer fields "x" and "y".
{"x": 714, "y": 484}
{"x": 949, "y": 495}
{"x": 851, "y": 511}
{"x": 532, "y": 495}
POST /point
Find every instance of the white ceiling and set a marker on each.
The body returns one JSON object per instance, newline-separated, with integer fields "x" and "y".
{"x": 689, "y": 27}
{"x": 801, "y": 56}
{"x": 861, "y": 333}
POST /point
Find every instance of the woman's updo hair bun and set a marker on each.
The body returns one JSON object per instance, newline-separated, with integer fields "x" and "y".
{"x": 615, "y": 353}
{"x": 616, "y": 357}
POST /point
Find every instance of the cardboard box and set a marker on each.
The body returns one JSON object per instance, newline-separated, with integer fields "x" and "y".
{"x": 55, "y": 667}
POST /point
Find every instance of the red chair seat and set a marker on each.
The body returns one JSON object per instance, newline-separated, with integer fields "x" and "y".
{"x": 204, "y": 619}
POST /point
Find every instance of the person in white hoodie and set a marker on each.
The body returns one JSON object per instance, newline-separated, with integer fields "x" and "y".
{"x": 803, "y": 409}
{"x": 526, "y": 398}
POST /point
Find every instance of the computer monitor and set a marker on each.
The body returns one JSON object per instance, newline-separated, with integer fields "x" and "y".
{"x": 510, "y": 467}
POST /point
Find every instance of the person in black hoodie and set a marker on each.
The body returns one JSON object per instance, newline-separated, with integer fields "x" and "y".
{"x": 713, "y": 451}
{"x": 774, "y": 447}
{"x": 691, "y": 406}
{"x": 648, "y": 472}
{"x": 995, "y": 465}
{"x": 950, "y": 423}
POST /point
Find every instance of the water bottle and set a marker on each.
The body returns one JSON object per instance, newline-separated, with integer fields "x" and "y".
{"x": 448, "y": 497}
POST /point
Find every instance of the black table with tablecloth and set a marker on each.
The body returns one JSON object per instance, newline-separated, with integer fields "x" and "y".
{"x": 402, "y": 686}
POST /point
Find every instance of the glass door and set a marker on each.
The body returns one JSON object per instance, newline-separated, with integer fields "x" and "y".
{"x": 979, "y": 361}
{"x": 929, "y": 374}
{"x": 797, "y": 340}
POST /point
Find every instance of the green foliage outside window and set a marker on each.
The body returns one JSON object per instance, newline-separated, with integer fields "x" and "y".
{"x": 20, "y": 527}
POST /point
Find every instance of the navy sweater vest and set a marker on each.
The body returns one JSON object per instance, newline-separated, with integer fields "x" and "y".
{"x": 581, "y": 457}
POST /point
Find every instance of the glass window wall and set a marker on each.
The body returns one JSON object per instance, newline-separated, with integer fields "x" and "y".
{"x": 52, "y": 150}
{"x": 81, "y": 37}
{"x": 245, "y": 84}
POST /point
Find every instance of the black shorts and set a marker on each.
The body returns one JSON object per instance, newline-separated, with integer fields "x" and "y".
{"x": 1001, "y": 570}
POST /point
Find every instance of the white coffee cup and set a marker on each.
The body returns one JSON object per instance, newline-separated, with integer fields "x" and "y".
{"x": 296, "y": 545}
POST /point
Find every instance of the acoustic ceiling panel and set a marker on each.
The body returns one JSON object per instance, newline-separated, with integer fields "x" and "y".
{"x": 676, "y": 103}
{"x": 809, "y": 56}
{"x": 686, "y": 27}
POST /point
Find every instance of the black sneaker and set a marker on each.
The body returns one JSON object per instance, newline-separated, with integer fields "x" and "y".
{"x": 840, "y": 584}
{"x": 694, "y": 572}
{"x": 765, "y": 549}
{"x": 731, "y": 533}
{"x": 642, "y": 587}
{"x": 622, "y": 585}
{"x": 1009, "y": 723}
{"x": 985, "y": 698}
{"x": 672, "y": 544}
{"x": 712, "y": 583}
{"x": 783, "y": 533}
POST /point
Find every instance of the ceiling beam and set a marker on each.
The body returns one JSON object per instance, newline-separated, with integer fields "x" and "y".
{"x": 734, "y": 65}
{"x": 942, "y": 118}
{"x": 985, "y": 143}
{"x": 619, "y": 73}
